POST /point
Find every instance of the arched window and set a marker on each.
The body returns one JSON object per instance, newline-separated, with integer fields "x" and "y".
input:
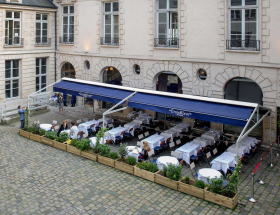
{"x": 68, "y": 71}
{"x": 112, "y": 76}
{"x": 246, "y": 90}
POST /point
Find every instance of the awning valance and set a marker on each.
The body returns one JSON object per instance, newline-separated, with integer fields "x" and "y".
{"x": 214, "y": 110}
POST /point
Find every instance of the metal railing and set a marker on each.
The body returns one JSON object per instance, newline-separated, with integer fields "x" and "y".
{"x": 166, "y": 42}
{"x": 43, "y": 41}
{"x": 108, "y": 41}
{"x": 16, "y": 41}
{"x": 36, "y": 102}
{"x": 247, "y": 45}
{"x": 66, "y": 40}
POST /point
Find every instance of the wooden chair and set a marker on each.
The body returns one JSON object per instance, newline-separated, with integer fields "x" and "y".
{"x": 80, "y": 135}
{"x": 108, "y": 142}
{"x": 168, "y": 139}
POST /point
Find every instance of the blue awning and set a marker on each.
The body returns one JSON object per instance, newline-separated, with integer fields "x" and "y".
{"x": 171, "y": 104}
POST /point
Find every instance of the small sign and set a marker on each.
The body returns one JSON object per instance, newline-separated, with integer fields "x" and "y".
{"x": 171, "y": 144}
{"x": 146, "y": 134}
{"x": 175, "y": 154}
{"x": 178, "y": 142}
{"x": 140, "y": 136}
{"x": 150, "y": 153}
{"x": 192, "y": 165}
{"x": 208, "y": 155}
{"x": 139, "y": 143}
{"x": 215, "y": 151}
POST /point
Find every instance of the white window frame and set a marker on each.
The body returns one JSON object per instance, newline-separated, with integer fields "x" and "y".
{"x": 169, "y": 20}
{"x": 68, "y": 15}
{"x": 243, "y": 7}
{"x": 40, "y": 73}
{"x": 14, "y": 19}
{"x": 41, "y": 21}
{"x": 11, "y": 79}
{"x": 111, "y": 13}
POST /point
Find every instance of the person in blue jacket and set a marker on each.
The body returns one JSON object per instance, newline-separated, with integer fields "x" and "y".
{"x": 21, "y": 113}
{"x": 73, "y": 101}
{"x": 65, "y": 99}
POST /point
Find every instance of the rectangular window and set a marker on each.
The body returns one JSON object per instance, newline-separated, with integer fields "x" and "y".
{"x": 243, "y": 27}
{"x": 41, "y": 73}
{"x": 67, "y": 24}
{"x": 111, "y": 24}
{"x": 167, "y": 23}
{"x": 13, "y": 28}
{"x": 42, "y": 28}
{"x": 12, "y": 78}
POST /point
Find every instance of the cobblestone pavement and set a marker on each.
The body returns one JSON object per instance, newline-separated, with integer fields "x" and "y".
{"x": 38, "y": 179}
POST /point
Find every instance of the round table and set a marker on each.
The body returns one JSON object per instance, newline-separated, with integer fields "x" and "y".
{"x": 133, "y": 151}
{"x": 46, "y": 127}
{"x": 164, "y": 160}
{"x": 205, "y": 173}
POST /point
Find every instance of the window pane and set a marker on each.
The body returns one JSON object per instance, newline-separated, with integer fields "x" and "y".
{"x": 71, "y": 20}
{"x": 162, "y": 28}
{"x": 7, "y": 73}
{"x": 236, "y": 15}
{"x": 162, "y": 4}
{"x": 44, "y": 61}
{"x": 17, "y": 24}
{"x": 107, "y": 29}
{"x": 250, "y": 27}
{"x": 116, "y": 29}
{"x": 116, "y": 19}
{"x": 15, "y": 92}
{"x": 8, "y": 14}
{"x": 15, "y": 84}
{"x": 107, "y": 7}
{"x": 37, "y": 70}
{"x": 45, "y": 17}
{"x": 15, "y": 73}
{"x": 43, "y": 79}
{"x": 65, "y": 9}
{"x": 45, "y": 26}
{"x": 8, "y": 94}
{"x": 38, "y": 26}
{"x": 174, "y": 17}
{"x": 251, "y": 15}
{"x": 15, "y": 64}
{"x": 236, "y": 2}
{"x": 162, "y": 17}
{"x": 71, "y": 9}
{"x": 115, "y": 6}
{"x": 37, "y": 80}
{"x": 65, "y": 20}
{"x": 250, "y": 2}
{"x": 37, "y": 87}
{"x": 17, "y": 15}
{"x": 236, "y": 28}
{"x": 38, "y": 16}
{"x": 173, "y": 3}
{"x": 71, "y": 29}
{"x": 108, "y": 19}
{"x": 7, "y": 64}
{"x": 43, "y": 70}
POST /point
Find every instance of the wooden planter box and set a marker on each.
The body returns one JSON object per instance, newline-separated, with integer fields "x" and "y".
{"x": 221, "y": 200}
{"x": 24, "y": 133}
{"x": 160, "y": 179}
{"x": 107, "y": 161}
{"x": 89, "y": 155}
{"x": 35, "y": 137}
{"x": 191, "y": 189}
{"x": 73, "y": 150}
{"x": 61, "y": 146}
{"x": 124, "y": 167}
{"x": 47, "y": 141}
{"x": 144, "y": 174}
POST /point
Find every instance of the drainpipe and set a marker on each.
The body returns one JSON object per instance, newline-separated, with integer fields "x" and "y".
{"x": 55, "y": 44}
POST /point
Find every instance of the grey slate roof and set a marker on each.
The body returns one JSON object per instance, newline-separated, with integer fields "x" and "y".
{"x": 33, "y": 3}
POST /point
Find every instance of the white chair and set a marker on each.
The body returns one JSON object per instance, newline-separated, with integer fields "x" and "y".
{"x": 171, "y": 144}
{"x": 56, "y": 127}
{"x": 85, "y": 135}
{"x": 215, "y": 151}
{"x": 146, "y": 134}
{"x": 54, "y": 122}
{"x": 110, "y": 125}
{"x": 141, "y": 136}
{"x": 175, "y": 154}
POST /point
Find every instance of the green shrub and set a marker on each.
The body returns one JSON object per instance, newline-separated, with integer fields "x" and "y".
{"x": 51, "y": 135}
{"x": 174, "y": 172}
{"x": 98, "y": 147}
{"x": 29, "y": 129}
{"x": 199, "y": 184}
{"x": 164, "y": 171}
{"x": 143, "y": 165}
{"x": 105, "y": 151}
{"x": 74, "y": 142}
{"x": 131, "y": 160}
{"x": 42, "y": 132}
{"x": 187, "y": 179}
{"x": 216, "y": 185}
{"x": 114, "y": 155}
{"x": 152, "y": 167}
{"x": 83, "y": 145}
{"x": 62, "y": 137}
{"x": 36, "y": 127}
{"x": 122, "y": 151}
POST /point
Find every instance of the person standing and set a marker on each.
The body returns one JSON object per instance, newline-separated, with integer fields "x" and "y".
{"x": 60, "y": 103}
{"x": 65, "y": 99}
{"x": 21, "y": 113}
{"x": 73, "y": 101}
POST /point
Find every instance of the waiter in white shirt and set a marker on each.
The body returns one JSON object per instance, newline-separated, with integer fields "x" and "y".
{"x": 73, "y": 131}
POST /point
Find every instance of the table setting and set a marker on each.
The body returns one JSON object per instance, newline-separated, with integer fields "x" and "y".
{"x": 113, "y": 133}
{"x": 154, "y": 141}
{"x": 205, "y": 173}
{"x": 165, "y": 160}
{"x": 224, "y": 161}
{"x": 187, "y": 150}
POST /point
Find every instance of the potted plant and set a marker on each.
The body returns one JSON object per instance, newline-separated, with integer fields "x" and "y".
{"x": 74, "y": 147}
{"x": 191, "y": 187}
{"x": 24, "y": 131}
{"x": 123, "y": 163}
{"x": 169, "y": 176}
{"x": 49, "y": 138}
{"x": 35, "y": 134}
{"x": 103, "y": 156}
{"x": 146, "y": 170}
{"x": 86, "y": 151}
{"x": 59, "y": 143}
{"x": 225, "y": 196}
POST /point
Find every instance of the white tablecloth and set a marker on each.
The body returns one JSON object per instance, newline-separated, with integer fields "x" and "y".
{"x": 170, "y": 133}
{"x": 241, "y": 150}
{"x": 164, "y": 160}
{"x": 210, "y": 135}
{"x": 182, "y": 127}
{"x": 216, "y": 131}
{"x": 46, "y": 127}
{"x": 131, "y": 125}
{"x": 131, "y": 114}
{"x": 154, "y": 141}
{"x": 133, "y": 151}
{"x": 86, "y": 125}
{"x": 205, "y": 173}
{"x": 187, "y": 150}
{"x": 116, "y": 132}
{"x": 203, "y": 141}
{"x": 145, "y": 119}
{"x": 93, "y": 141}
{"x": 224, "y": 161}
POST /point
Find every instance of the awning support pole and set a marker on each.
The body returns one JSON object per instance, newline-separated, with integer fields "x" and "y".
{"x": 270, "y": 133}
{"x": 112, "y": 108}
